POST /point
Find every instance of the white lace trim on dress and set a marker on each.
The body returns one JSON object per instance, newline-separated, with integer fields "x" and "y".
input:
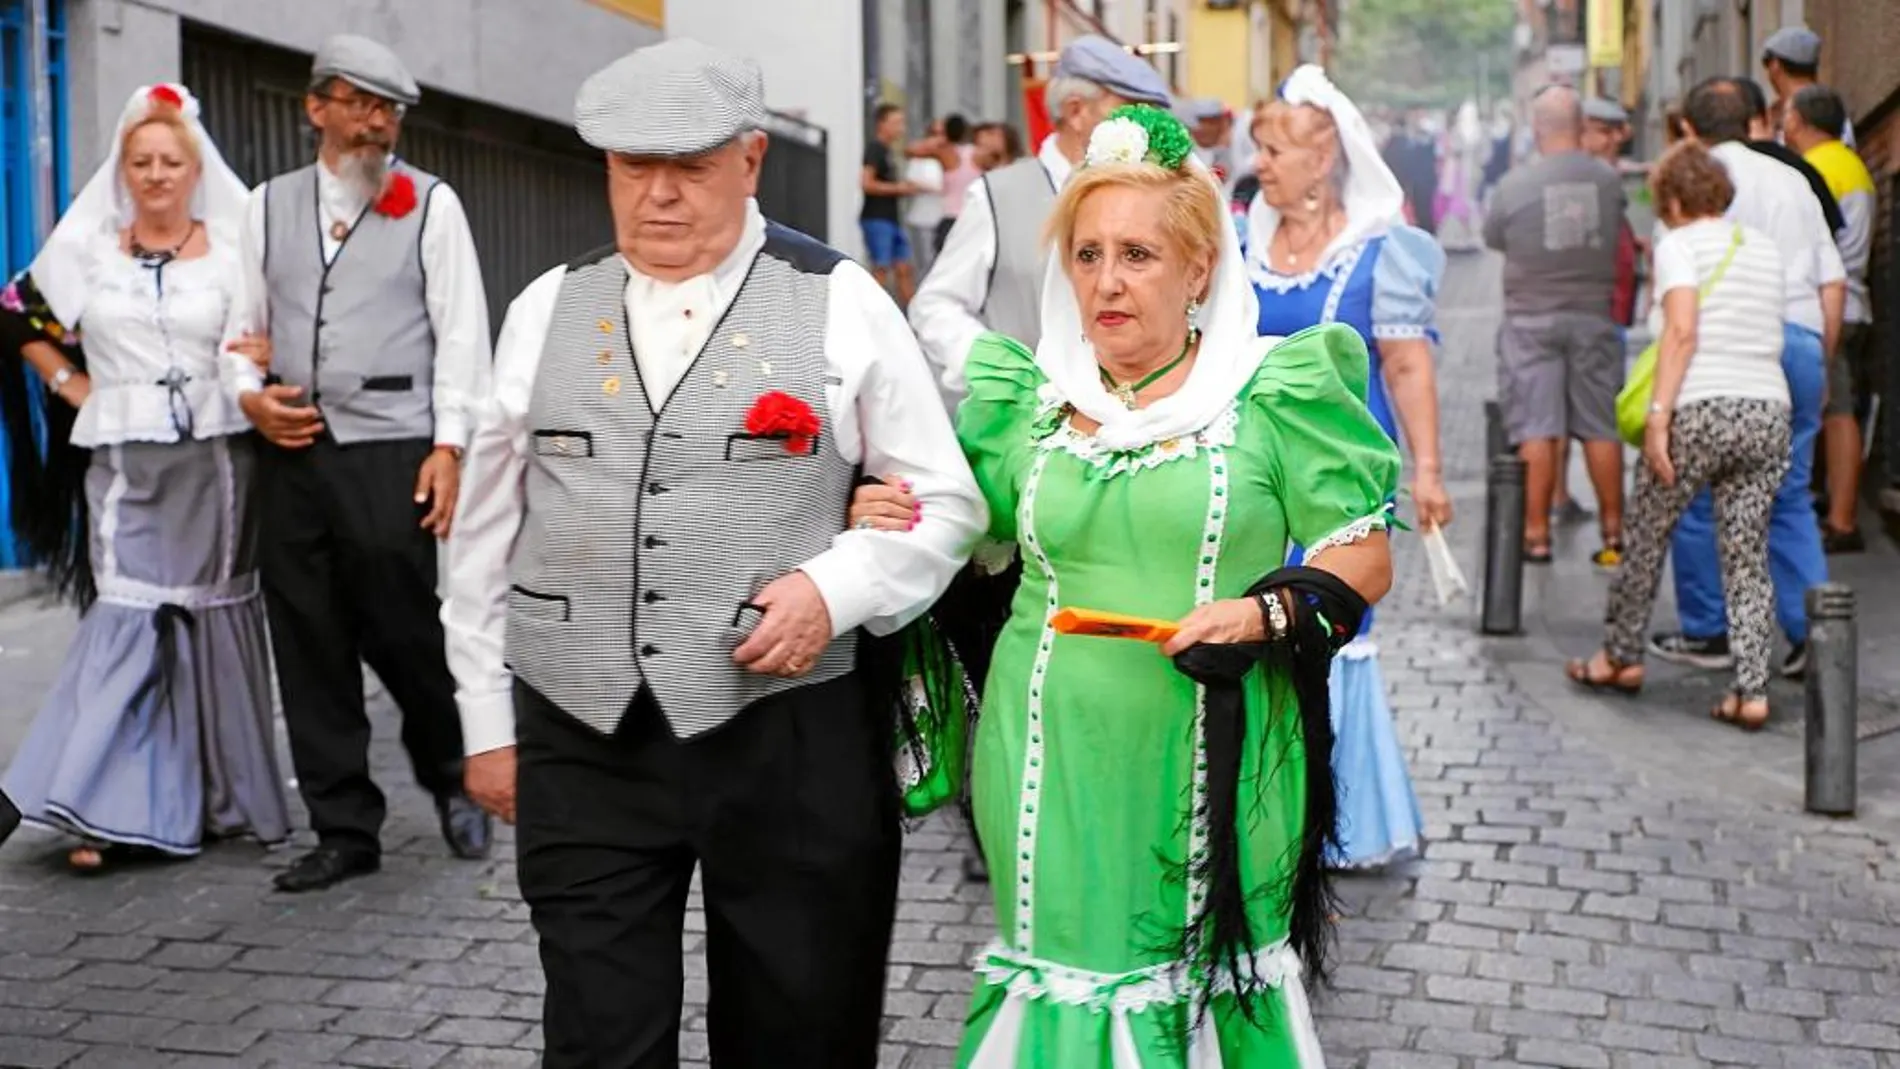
{"x": 1110, "y": 462}
{"x": 1357, "y": 531}
{"x": 1166, "y": 984}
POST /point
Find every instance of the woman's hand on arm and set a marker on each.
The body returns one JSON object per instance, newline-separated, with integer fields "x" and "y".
{"x": 885, "y": 506}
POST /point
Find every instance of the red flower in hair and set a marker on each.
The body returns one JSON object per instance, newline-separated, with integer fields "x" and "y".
{"x": 165, "y": 94}
{"x": 780, "y": 415}
{"x": 399, "y": 197}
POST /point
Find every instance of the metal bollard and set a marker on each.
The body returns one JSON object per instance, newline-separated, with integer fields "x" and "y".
{"x": 1833, "y": 693}
{"x": 1494, "y": 439}
{"x": 1504, "y": 546}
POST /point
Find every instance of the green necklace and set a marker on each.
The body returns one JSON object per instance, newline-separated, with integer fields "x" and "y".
{"x": 1126, "y": 391}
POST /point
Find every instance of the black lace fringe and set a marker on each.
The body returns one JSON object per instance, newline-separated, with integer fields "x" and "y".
{"x": 47, "y": 487}
{"x": 1218, "y": 941}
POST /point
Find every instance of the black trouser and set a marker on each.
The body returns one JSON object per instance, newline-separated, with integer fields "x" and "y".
{"x": 350, "y": 576}
{"x": 790, "y": 812}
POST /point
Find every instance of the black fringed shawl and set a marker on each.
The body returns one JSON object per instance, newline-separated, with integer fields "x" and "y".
{"x": 48, "y": 488}
{"x": 1218, "y": 941}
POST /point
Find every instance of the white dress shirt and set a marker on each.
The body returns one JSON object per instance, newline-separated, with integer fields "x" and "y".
{"x": 1775, "y": 199}
{"x": 888, "y": 420}
{"x": 947, "y": 312}
{"x": 452, "y": 277}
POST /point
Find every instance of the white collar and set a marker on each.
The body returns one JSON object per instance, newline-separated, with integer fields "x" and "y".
{"x": 1049, "y": 154}
{"x": 724, "y": 279}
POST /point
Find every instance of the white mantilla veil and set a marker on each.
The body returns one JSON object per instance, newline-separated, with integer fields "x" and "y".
{"x": 1372, "y": 197}
{"x": 62, "y": 269}
{"x": 1230, "y": 350}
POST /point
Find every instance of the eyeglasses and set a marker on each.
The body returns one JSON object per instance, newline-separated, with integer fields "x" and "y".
{"x": 363, "y": 106}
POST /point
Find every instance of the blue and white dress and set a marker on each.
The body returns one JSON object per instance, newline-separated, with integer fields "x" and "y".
{"x": 1383, "y": 282}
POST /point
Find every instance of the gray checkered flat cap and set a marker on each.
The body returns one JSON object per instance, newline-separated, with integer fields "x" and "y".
{"x": 1109, "y": 65}
{"x": 1608, "y": 111}
{"x": 676, "y": 98}
{"x": 367, "y": 65}
{"x": 1796, "y": 44}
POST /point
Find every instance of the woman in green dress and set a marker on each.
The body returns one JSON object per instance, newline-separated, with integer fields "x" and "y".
{"x": 1154, "y": 458}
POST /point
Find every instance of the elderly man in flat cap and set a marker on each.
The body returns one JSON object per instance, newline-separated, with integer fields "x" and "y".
{"x": 988, "y": 276}
{"x": 364, "y": 271}
{"x": 653, "y": 605}
{"x": 1791, "y": 57}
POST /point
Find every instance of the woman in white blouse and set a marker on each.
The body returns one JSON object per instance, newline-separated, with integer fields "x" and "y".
{"x": 1719, "y": 417}
{"x": 158, "y": 730}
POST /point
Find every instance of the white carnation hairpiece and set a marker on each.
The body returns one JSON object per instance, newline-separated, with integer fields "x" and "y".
{"x": 1117, "y": 141}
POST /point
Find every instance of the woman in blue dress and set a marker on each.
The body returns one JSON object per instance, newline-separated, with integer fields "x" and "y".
{"x": 1326, "y": 243}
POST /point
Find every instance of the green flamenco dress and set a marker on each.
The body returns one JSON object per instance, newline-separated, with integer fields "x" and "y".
{"x": 1090, "y": 761}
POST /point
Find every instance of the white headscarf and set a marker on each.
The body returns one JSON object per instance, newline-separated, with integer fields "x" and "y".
{"x": 1230, "y": 350}
{"x": 62, "y": 271}
{"x": 1373, "y": 199}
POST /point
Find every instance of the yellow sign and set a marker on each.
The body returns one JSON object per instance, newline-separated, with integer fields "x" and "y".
{"x": 1605, "y": 35}
{"x": 651, "y": 12}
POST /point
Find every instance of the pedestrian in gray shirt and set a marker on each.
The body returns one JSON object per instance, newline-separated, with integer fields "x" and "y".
{"x": 1560, "y": 359}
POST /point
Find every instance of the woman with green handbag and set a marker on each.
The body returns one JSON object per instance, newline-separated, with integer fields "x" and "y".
{"x": 1714, "y": 411}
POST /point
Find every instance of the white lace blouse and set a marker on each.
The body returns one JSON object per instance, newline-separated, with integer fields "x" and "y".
{"x": 152, "y": 338}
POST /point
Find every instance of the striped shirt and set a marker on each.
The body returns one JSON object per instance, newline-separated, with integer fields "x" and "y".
{"x": 1738, "y": 325}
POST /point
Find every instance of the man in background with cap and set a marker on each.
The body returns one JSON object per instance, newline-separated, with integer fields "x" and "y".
{"x": 1791, "y": 57}
{"x": 653, "y": 602}
{"x": 379, "y": 330}
{"x": 988, "y": 275}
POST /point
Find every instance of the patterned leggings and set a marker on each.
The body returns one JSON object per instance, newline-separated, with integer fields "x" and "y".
{"x": 1739, "y": 448}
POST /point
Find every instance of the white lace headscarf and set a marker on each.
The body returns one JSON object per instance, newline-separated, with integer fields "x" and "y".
{"x": 62, "y": 271}
{"x": 1230, "y": 350}
{"x": 1372, "y": 197}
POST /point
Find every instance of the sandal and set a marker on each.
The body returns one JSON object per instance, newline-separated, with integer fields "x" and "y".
{"x": 1610, "y": 557}
{"x": 1731, "y": 710}
{"x": 1616, "y": 681}
{"x": 1537, "y": 552}
{"x": 89, "y": 857}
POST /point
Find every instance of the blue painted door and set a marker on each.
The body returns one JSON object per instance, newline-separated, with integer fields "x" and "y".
{"x": 17, "y": 229}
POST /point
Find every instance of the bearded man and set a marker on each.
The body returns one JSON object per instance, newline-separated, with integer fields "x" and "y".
{"x": 363, "y": 270}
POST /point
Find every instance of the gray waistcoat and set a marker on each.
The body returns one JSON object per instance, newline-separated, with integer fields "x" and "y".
{"x": 1021, "y": 197}
{"x": 645, "y": 533}
{"x": 355, "y": 333}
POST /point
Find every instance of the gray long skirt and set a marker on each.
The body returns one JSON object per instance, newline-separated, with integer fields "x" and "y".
{"x": 158, "y": 730}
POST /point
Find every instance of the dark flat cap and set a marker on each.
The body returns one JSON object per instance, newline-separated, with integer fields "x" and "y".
{"x": 1114, "y": 68}
{"x": 676, "y": 98}
{"x": 1796, "y": 44}
{"x": 367, "y": 65}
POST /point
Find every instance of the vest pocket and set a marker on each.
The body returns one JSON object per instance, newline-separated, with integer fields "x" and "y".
{"x": 389, "y": 383}
{"x": 749, "y": 448}
{"x": 563, "y": 444}
{"x": 533, "y": 605}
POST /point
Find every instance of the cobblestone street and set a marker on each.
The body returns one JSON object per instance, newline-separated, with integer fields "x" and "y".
{"x": 1604, "y": 886}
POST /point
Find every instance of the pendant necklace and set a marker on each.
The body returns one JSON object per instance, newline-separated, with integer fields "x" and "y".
{"x": 1126, "y": 391}
{"x": 159, "y": 257}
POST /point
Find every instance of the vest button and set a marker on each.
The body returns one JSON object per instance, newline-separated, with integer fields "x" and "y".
{"x": 655, "y": 488}
{"x": 651, "y": 596}
{"x": 652, "y": 543}
{"x": 649, "y": 650}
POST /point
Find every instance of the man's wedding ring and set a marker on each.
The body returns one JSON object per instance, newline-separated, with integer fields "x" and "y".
{"x": 863, "y": 524}
{"x": 795, "y": 667}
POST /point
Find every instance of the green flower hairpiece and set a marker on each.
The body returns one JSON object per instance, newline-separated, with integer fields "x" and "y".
{"x": 1134, "y": 133}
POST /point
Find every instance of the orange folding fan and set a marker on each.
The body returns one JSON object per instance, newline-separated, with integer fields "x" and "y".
{"x": 1112, "y": 625}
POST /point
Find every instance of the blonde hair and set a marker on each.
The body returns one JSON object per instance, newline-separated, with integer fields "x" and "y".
{"x": 163, "y": 114}
{"x": 1191, "y": 220}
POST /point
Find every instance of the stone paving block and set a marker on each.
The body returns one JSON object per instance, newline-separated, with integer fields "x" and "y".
{"x": 394, "y": 1054}
{"x": 209, "y": 1039}
{"x": 1559, "y": 1052}
{"x": 1566, "y": 1001}
{"x": 1860, "y": 1034}
{"x": 28, "y": 1052}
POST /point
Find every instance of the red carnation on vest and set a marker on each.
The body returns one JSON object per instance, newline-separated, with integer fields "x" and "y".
{"x": 780, "y": 415}
{"x": 399, "y": 197}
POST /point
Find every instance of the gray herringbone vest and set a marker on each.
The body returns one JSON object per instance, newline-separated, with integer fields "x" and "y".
{"x": 354, "y": 333}
{"x": 1021, "y": 197}
{"x": 645, "y": 533}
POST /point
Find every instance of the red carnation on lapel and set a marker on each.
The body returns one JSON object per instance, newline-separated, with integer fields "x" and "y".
{"x": 399, "y": 197}
{"x": 165, "y": 94}
{"x": 780, "y": 415}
